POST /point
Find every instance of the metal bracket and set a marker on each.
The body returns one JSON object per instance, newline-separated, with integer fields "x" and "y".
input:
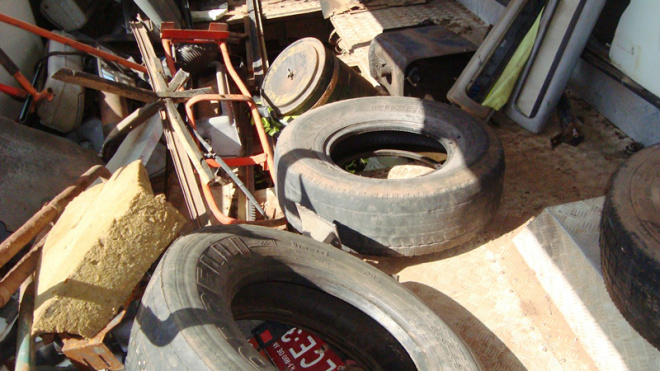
{"x": 93, "y": 353}
{"x": 318, "y": 228}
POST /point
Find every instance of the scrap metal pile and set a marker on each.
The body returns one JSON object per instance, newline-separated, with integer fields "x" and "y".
{"x": 276, "y": 178}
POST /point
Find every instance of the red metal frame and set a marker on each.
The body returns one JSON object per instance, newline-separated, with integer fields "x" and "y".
{"x": 260, "y": 159}
{"x": 218, "y": 33}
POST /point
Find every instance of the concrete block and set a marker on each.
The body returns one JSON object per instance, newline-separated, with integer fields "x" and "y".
{"x": 98, "y": 250}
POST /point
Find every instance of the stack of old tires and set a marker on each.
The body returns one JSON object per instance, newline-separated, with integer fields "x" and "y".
{"x": 214, "y": 277}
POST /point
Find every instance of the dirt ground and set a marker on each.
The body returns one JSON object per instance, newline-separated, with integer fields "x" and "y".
{"x": 484, "y": 289}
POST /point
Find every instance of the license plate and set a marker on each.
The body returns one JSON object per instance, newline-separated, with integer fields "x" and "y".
{"x": 297, "y": 349}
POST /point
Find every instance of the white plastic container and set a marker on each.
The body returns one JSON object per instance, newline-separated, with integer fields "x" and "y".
{"x": 64, "y": 112}
{"x": 69, "y": 15}
{"x": 635, "y": 49}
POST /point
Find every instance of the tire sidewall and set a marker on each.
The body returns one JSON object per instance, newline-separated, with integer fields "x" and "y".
{"x": 392, "y": 217}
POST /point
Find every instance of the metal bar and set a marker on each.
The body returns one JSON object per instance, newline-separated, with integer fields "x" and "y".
{"x": 231, "y": 174}
{"x": 186, "y": 175}
{"x": 214, "y": 97}
{"x": 86, "y": 353}
{"x": 20, "y": 272}
{"x": 156, "y": 74}
{"x": 14, "y": 243}
{"x": 25, "y": 83}
{"x": 14, "y": 92}
{"x": 255, "y": 35}
{"x": 91, "y": 81}
{"x": 27, "y": 106}
{"x": 194, "y": 35}
{"x": 13, "y": 70}
{"x": 25, "y": 352}
{"x": 182, "y": 166}
{"x": 240, "y": 161}
{"x": 245, "y": 210}
{"x": 7, "y": 63}
{"x": 167, "y": 47}
{"x": 72, "y": 43}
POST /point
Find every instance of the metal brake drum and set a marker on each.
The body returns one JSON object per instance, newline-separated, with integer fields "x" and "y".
{"x": 306, "y": 75}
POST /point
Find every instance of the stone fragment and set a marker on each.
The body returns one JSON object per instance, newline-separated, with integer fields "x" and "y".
{"x": 98, "y": 251}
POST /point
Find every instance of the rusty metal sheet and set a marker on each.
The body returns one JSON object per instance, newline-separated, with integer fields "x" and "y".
{"x": 272, "y": 9}
{"x": 93, "y": 354}
{"x": 358, "y": 29}
{"x": 333, "y": 7}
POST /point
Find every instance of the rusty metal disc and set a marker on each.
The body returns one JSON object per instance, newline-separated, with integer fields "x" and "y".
{"x": 296, "y": 79}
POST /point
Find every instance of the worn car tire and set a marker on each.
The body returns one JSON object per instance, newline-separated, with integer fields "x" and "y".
{"x": 209, "y": 279}
{"x": 400, "y": 217}
{"x": 630, "y": 242}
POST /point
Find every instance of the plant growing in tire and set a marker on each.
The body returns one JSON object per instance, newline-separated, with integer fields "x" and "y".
{"x": 448, "y": 204}
{"x": 214, "y": 277}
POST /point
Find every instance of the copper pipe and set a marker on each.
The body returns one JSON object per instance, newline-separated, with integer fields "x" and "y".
{"x": 14, "y": 243}
{"x": 72, "y": 43}
{"x": 263, "y": 137}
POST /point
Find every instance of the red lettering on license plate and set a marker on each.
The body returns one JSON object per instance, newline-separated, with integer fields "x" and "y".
{"x": 300, "y": 350}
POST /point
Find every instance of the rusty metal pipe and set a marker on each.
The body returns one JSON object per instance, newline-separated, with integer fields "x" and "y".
{"x": 14, "y": 243}
{"x": 20, "y": 272}
{"x": 72, "y": 43}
